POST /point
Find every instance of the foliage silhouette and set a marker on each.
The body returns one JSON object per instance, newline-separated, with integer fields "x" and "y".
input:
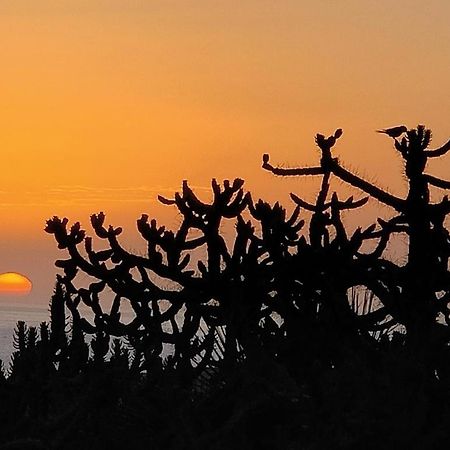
{"x": 420, "y": 289}
{"x": 285, "y": 331}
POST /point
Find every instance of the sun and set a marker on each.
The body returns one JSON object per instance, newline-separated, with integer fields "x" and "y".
{"x": 13, "y": 283}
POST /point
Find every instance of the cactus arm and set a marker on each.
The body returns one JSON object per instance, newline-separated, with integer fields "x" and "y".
{"x": 438, "y": 182}
{"x": 291, "y": 172}
{"x": 303, "y": 204}
{"x": 369, "y": 188}
{"x": 441, "y": 151}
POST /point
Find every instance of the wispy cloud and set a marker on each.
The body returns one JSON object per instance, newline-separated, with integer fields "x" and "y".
{"x": 79, "y": 194}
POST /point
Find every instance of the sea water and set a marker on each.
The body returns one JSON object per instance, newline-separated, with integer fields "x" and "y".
{"x": 34, "y": 314}
{"x": 10, "y": 314}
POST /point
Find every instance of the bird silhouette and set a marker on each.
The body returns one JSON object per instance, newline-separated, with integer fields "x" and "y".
{"x": 394, "y": 132}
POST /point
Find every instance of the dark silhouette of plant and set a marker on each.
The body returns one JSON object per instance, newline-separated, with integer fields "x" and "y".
{"x": 248, "y": 326}
{"x": 58, "y": 341}
{"x": 132, "y": 277}
{"x": 410, "y": 293}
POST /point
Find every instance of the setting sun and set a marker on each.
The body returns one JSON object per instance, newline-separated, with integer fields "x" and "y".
{"x": 14, "y": 283}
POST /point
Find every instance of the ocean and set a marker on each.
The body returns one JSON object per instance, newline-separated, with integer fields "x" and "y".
{"x": 10, "y": 314}
{"x": 33, "y": 315}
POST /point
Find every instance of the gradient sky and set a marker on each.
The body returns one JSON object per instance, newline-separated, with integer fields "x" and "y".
{"x": 104, "y": 104}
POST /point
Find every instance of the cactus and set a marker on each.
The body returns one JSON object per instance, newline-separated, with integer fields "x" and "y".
{"x": 248, "y": 316}
{"x": 408, "y": 293}
{"x": 58, "y": 318}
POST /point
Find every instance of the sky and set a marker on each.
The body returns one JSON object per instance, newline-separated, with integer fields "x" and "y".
{"x": 105, "y": 104}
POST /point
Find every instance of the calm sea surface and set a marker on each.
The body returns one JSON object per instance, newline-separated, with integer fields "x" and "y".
{"x": 34, "y": 314}
{"x": 10, "y": 313}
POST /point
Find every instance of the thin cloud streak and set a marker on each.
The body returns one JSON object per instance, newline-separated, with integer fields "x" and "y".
{"x": 78, "y": 194}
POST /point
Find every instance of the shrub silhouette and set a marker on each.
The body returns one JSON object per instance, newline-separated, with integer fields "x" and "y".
{"x": 283, "y": 331}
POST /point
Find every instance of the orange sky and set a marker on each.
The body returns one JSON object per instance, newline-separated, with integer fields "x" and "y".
{"x": 106, "y": 103}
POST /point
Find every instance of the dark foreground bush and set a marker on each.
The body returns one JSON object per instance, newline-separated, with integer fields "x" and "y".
{"x": 248, "y": 327}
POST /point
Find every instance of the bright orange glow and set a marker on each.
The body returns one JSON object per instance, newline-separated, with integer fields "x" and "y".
{"x": 107, "y": 103}
{"x": 14, "y": 283}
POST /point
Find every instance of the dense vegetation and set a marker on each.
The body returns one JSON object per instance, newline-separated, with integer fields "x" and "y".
{"x": 289, "y": 331}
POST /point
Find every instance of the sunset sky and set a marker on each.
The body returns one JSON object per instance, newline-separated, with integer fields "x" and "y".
{"x": 105, "y": 104}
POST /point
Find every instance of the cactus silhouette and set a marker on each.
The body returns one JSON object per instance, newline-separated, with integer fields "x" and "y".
{"x": 408, "y": 293}
{"x": 250, "y": 325}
